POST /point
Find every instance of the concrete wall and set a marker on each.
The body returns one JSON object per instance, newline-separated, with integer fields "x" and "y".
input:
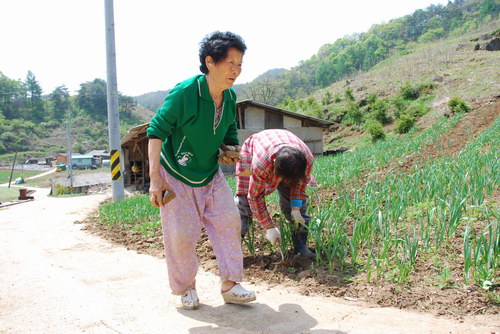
{"x": 289, "y": 122}
{"x": 254, "y": 118}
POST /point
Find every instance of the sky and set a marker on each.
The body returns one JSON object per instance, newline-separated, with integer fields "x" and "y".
{"x": 63, "y": 42}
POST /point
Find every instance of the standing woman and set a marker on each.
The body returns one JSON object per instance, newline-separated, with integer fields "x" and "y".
{"x": 197, "y": 117}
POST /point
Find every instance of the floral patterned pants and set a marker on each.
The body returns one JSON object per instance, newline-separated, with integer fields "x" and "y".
{"x": 211, "y": 206}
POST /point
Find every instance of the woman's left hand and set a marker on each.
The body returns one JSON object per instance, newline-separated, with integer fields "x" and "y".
{"x": 156, "y": 191}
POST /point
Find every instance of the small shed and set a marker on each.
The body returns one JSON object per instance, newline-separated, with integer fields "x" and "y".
{"x": 61, "y": 158}
{"x": 252, "y": 117}
{"x": 82, "y": 161}
{"x": 135, "y": 156}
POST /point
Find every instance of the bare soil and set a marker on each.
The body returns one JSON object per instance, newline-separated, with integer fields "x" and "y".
{"x": 426, "y": 291}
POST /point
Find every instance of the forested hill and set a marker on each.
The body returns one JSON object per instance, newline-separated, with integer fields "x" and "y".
{"x": 359, "y": 52}
{"x": 153, "y": 100}
{"x": 36, "y": 124}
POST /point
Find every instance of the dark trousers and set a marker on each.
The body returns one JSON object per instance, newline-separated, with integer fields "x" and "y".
{"x": 284, "y": 198}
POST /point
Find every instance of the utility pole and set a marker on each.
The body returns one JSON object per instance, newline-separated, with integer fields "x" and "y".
{"x": 113, "y": 112}
{"x": 68, "y": 158}
{"x": 12, "y": 170}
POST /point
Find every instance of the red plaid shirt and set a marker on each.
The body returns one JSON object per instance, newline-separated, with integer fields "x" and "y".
{"x": 257, "y": 154}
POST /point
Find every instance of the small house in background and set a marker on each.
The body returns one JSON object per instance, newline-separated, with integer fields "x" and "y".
{"x": 82, "y": 161}
{"x": 61, "y": 158}
{"x": 99, "y": 156}
{"x": 252, "y": 117}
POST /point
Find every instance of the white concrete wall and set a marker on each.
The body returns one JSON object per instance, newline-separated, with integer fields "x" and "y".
{"x": 254, "y": 119}
{"x": 289, "y": 122}
{"x": 312, "y": 136}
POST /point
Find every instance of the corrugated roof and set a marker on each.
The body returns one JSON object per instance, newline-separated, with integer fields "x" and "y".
{"x": 98, "y": 152}
{"x": 81, "y": 156}
{"x": 134, "y": 133}
{"x": 314, "y": 120}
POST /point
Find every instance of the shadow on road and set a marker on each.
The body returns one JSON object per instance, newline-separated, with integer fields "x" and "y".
{"x": 254, "y": 318}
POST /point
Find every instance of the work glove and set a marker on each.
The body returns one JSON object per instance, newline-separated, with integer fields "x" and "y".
{"x": 297, "y": 218}
{"x": 273, "y": 235}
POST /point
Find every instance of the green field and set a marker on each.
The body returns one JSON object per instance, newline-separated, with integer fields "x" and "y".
{"x": 5, "y": 175}
{"x": 393, "y": 226}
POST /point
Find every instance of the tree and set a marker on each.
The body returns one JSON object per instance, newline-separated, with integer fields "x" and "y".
{"x": 489, "y": 7}
{"x": 34, "y": 98}
{"x": 60, "y": 101}
{"x": 92, "y": 98}
{"x": 126, "y": 105}
{"x": 325, "y": 73}
{"x": 11, "y": 97}
{"x": 265, "y": 91}
{"x": 431, "y": 35}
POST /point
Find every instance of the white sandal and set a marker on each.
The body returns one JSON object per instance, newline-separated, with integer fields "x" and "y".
{"x": 190, "y": 300}
{"x": 238, "y": 295}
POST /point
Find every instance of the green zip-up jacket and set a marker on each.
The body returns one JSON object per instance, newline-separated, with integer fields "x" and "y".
{"x": 191, "y": 132}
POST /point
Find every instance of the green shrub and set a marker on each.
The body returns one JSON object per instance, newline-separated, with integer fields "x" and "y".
{"x": 416, "y": 110}
{"x": 337, "y": 98}
{"x": 354, "y": 115}
{"x": 375, "y": 129}
{"x": 379, "y": 111}
{"x": 371, "y": 99}
{"x": 408, "y": 92}
{"x": 405, "y": 123}
{"x": 426, "y": 88}
{"x": 348, "y": 94}
{"x": 431, "y": 35}
{"x": 457, "y": 105}
{"x": 327, "y": 98}
{"x": 61, "y": 190}
{"x": 400, "y": 105}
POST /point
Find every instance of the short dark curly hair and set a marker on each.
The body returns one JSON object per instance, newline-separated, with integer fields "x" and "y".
{"x": 216, "y": 45}
{"x": 290, "y": 164}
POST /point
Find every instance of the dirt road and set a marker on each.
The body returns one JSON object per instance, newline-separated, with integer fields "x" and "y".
{"x": 56, "y": 278}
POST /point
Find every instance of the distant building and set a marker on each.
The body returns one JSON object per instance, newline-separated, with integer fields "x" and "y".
{"x": 62, "y": 158}
{"x": 99, "y": 156}
{"x": 82, "y": 161}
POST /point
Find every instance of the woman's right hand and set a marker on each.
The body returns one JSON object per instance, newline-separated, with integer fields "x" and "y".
{"x": 156, "y": 188}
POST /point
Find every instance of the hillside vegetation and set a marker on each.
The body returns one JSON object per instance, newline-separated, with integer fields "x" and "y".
{"x": 362, "y": 51}
{"x": 35, "y": 125}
